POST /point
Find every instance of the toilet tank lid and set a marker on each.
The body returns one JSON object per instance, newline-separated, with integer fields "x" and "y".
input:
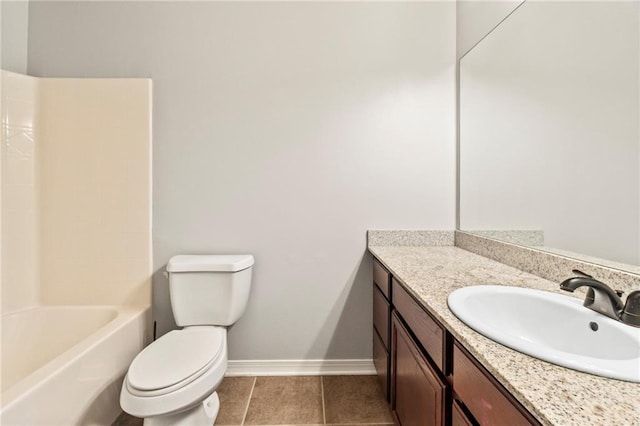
{"x": 209, "y": 262}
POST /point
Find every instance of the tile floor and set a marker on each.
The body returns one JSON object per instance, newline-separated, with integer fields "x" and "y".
{"x": 297, "y": 400}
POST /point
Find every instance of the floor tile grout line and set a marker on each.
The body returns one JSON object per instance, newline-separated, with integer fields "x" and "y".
{"x": 246, "y": 410}
{"x": 324, "y": 416}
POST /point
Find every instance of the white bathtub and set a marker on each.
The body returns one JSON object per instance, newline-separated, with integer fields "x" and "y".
{"x": 64, "y": 365}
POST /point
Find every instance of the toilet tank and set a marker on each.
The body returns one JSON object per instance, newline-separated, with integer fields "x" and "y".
{"x": 209, "y": 289}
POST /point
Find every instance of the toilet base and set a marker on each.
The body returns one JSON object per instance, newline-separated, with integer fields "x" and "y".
{"x": 203, "y": 414}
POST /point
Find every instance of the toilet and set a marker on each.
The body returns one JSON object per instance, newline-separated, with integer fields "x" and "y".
{"x": 173, "y": 380}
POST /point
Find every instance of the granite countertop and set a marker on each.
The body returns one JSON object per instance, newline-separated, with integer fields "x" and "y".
{"x": 554, "y": 395}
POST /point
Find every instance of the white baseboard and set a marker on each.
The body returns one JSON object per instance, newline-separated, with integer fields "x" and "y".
{"x": 314, "y": 367}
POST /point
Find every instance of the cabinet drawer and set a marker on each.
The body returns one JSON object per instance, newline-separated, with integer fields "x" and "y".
{"x": 458, "y": 416}
{"x": 381, "y": 363}
{"x": 487, "y": 401}
{"x": 381, "y": 311}
{"x": 381, "y": 278}
{"x": 429, "y": 333}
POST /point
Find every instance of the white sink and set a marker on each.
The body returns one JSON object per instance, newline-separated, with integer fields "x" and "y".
{"x": 551, "y": 327}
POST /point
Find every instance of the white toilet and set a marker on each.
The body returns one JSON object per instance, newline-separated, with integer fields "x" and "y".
{"x": 173, "y": 380}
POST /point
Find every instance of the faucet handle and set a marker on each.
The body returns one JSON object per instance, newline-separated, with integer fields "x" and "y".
{"x": 631, "y": 311}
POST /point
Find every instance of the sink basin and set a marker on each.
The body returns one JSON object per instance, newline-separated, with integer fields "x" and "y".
{"x": 551, "y": 327}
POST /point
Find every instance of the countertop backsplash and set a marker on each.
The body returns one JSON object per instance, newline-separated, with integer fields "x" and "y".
{"x": 550, "y": 266}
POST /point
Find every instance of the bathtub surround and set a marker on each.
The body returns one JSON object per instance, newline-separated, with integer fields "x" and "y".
{"x": 95, "y": 189}
{"x": 20, "y": 217}
{"x": 282, "y": 129}
{"x": 76, "y": 245}
{"x": 76, "y": 192}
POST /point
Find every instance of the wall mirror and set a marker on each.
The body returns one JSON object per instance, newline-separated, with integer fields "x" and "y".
{"x": 550, "y": 131}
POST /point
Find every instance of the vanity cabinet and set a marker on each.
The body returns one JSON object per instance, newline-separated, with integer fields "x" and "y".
{"x": 428, "y": 377}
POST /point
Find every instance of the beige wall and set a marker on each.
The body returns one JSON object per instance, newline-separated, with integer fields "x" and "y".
{"x": 76, "y": 191}
{"x": 19, "y": 191}
{"x": 95, "y": 181}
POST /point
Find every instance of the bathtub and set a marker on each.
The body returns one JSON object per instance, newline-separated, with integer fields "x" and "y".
{"x": 64, "y": 365}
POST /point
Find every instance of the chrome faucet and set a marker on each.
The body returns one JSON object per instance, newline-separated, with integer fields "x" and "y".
{"x": 604, "y": 300}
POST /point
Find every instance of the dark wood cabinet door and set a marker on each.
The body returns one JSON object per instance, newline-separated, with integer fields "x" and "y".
{"x": 418, "y": 394}
{"x": 381, "y": 363}
{"x": 459, "y": 417}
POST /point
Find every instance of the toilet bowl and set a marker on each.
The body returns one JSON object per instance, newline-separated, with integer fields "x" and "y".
{"x": 176, "y": 374}
{"x": 173, "y": 380}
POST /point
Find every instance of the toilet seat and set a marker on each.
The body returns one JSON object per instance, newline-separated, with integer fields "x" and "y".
{"x": 175, "y": 372}
{"x": 175, "y": 360}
